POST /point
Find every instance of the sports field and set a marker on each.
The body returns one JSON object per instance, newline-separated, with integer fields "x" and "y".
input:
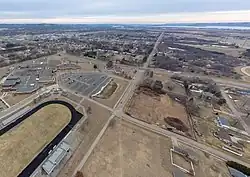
{"x": 20, "y": 145}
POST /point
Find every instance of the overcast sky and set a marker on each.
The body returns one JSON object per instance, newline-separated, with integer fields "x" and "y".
{"x": 135, "y": 11}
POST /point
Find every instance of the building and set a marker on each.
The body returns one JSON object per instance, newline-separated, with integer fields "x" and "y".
{"x": 223, "y": 122}
{"x": 224, "y": 136}
{"x": 10, "y": 83}
{"x": 55, "y": 158}
{"x": 236, "y": 173}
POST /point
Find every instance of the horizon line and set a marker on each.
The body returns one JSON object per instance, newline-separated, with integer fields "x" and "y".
{"x": 184, "y": 17}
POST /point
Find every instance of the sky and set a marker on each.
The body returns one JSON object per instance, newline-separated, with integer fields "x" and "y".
{"x": 123, "y": 11}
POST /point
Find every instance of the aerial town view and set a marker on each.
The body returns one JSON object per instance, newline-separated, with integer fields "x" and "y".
{"x": 124, "y": 100}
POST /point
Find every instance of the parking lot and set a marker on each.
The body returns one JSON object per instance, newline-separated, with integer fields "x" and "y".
{"x": 27, "y": 79}
{"x": 84, "y": 83}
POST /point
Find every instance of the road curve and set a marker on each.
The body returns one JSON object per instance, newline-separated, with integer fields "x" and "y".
{"x": 75, "y": 117}
{"x": 243, "y": 70}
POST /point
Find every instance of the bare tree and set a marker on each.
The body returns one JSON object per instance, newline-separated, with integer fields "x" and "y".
{"x": 79, "y": 174}
{"x": 89, "y": 110}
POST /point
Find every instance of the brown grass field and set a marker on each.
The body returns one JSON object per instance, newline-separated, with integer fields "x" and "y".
{"x": 154, "y": 108}
{"x": 19, "y": 146}
{"x": 127, "y": 151}
{"x": 12, "y": 99}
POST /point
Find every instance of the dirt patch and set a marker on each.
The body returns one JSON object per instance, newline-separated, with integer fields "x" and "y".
{"x": 19, "y": 146}
{"x": 177, "y": 123}
{"x": 153, "y": 108}
{"x": 73, "y": 97}
{"x": 207, "y": 165}
{"x": 86, "y": 133}
{"x": 86, "y": 64}
{"x": 125, "y": 150}
{"x": 112, "y": 100}
{"x": 13, "y": 99}
{"x": 181, "y": 161}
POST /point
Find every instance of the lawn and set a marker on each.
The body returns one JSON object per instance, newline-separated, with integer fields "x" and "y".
{"x": 20, "y": 145}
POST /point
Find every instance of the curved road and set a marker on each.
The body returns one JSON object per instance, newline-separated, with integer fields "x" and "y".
{"x": 75, "y": 117}
{"x": 243, "y": 70}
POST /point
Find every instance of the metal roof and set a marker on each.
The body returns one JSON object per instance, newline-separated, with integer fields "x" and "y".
{"x": 236, "y": 173}
{"x": 9, "y": 83}
{"x": 223, "y": 121}
{"x": 55, "y": 158}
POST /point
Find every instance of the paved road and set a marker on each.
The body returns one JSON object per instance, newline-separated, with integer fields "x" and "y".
{"x": 17, "y": 107}
{"x": 243, "y": 70}
{"x": 138, "y": 77}
{"x": 236, "y": 113}
{"x": 182, "y": 139}
{"x": 220, "y": 81}
{"x": 75, "y": 117}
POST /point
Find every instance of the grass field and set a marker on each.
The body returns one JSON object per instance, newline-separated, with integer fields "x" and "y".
{"x": 127, "y": 151}
{"x": 87, "y": 134}
{"x": 111, "y": 101}
{"x": 19, "y": 146}
{"x": 154, "y": 108}
{"x": 12, "y": 99}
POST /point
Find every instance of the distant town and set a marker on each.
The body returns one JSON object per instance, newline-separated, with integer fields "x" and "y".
{"x": 125, "y": 100}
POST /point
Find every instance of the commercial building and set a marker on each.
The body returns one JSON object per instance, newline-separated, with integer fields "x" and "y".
{"x": 55, "y": 158}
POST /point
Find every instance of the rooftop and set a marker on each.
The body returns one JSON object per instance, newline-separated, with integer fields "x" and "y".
{"x": 55, "y": 158}
{"x": 222, "y": 121}
{"x": 236, "y": 173}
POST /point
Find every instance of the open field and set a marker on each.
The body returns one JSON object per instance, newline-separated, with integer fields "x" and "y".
{"x": 235, "y": 52}
{"x": 85, "y": 63}
{"x": 207, "y": 165}
{"x": 73, "y": 97}
{"x": 13, "y": 99}
{"x": 181, "y": 161}
{"x": 128, "y": 151}
{"x": 153, "y": 108}
{"x": 3, "y": 71}
{"x": 19, "y": 146}
{"x": 111, "y": 101}
{"x": 60, "y": 97}
{"x": 86, "y": 134}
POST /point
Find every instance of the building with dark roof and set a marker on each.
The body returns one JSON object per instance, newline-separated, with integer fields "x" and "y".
{"x": 223, "y": 122}
{"x": 236, "y": 173}
{"x": 10, "y": 83}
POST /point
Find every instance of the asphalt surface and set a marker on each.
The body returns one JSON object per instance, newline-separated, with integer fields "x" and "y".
{"x": 236, "y": 113}
{"x": 191, "y": 143}
{"x": 129, "y": 93}
{"x": 83, "y": 83}
{"x": 75, "y": 117}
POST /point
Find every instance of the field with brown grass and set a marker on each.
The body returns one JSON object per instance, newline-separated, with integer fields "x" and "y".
{"x": 21, "y": 144}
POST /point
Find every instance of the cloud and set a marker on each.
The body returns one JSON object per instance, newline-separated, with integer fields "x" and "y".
{"x": 110, "y": 10}
{"x": 195, "y": 17}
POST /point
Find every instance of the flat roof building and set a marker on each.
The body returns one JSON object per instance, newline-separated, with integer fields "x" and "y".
{"x": 55, "y": 158}
{"x": 223, "y": 122}
{"x": 236, "y": 173}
